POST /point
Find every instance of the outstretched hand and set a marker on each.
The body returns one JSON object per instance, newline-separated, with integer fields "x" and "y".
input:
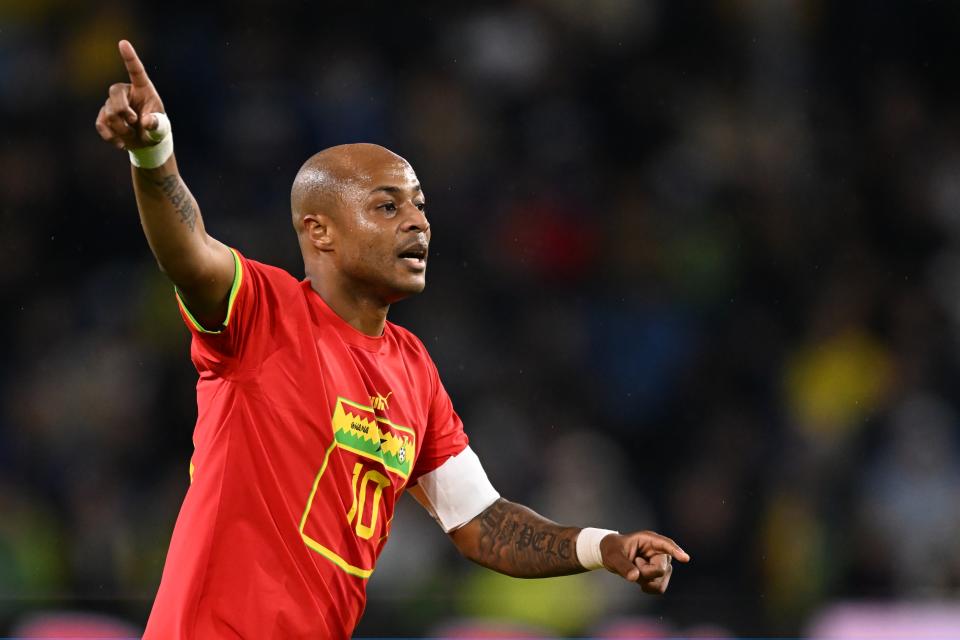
{"x": 127, "y": 116}
{"x": 643, "y": 557}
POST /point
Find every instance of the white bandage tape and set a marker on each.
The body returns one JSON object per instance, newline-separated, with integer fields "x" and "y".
{"x": 457, "y": 491}
{"x": 588, "y": 547}
{"x": 155, "y": 155}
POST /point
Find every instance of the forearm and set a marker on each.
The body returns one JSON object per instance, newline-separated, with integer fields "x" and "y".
{"x": 514, "y": 540}
{"x": 171, "y": 221}
{"x": 200, "y": 266}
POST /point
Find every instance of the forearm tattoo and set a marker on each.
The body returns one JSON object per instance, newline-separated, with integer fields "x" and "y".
{"x": 516, "y": 541}
{"x": 177, "y": 194}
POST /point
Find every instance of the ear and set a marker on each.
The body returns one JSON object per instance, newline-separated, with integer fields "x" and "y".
{"x": 319, "y": 231}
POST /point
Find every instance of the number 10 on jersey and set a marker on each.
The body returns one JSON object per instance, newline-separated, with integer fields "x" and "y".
{"x": 365, "y": 483}
{"x": 357, "y": 505}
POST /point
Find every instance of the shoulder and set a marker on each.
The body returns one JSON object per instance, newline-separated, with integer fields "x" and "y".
{"x": 263, "y": 275}
{"x": 409, "y": 344}
{"x": 416, "y": 359}
{"x": 266, "y": 270}
{"x": 405, "y": 338}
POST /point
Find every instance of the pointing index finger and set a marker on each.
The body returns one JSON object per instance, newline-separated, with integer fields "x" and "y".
{"x": 669, "y": 547}
{"x": 679, "y": 554}
{"x": 138, "y": 75}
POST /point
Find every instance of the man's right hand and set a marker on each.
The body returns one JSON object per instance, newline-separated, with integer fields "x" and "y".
{"x": 127, "y": 115}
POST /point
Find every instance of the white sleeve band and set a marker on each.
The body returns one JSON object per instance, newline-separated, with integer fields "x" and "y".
{"x": 155, "y": 155}
{"x": 588, "y": 547}
{"x": 457, "y": 491}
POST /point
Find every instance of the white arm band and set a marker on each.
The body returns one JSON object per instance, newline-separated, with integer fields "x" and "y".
{"x": 457, "y": 491}
{"x": 588, "y": 547}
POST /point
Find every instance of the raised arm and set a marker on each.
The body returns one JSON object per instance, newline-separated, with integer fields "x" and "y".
{"x": 201, "y": 267}
{"x": 514, "y": 540}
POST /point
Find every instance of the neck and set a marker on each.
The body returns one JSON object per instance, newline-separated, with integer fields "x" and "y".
{"x": 364, "y": 313}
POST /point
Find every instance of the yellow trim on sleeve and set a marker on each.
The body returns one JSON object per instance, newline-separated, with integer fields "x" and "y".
{"x": 234, "y": 289}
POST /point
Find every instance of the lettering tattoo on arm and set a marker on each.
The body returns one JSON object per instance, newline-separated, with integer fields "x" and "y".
{"x": 177, "y": 194}
{"x": 517, "y": 541}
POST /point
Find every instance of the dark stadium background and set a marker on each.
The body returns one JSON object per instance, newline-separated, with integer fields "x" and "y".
{"x": 695, "y": 268}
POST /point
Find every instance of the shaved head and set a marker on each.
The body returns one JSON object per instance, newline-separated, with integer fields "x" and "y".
{"x": 327, "y": 180}
{"x": 360, "y": 216}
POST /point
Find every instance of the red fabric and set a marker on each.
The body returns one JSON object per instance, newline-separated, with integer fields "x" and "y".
{"x": 270, "y": 383}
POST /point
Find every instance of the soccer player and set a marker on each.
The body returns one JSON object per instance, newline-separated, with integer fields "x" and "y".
{"x": 315, "y": 412}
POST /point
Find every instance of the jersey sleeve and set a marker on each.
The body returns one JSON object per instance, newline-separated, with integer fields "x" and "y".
{"x": 218, "y": 349}
{"x": 445, "y": 436}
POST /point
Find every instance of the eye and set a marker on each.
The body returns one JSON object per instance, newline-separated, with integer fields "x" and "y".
{"x": 389, "y": 207}
{"x": 422, "y": 206}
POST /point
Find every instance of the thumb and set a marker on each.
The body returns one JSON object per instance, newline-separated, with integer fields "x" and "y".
{"x": 149, "y": 121}
{"x": 156, "y": 126}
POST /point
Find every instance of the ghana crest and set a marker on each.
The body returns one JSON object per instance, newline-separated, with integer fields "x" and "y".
{"x": 357, "y": 428}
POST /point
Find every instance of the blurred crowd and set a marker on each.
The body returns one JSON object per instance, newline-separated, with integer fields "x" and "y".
{"x": 694, "y": 269}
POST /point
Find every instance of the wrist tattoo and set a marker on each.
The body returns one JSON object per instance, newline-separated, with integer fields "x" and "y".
{"x": 519, "y": 542}
{"x": 177, "y": 194}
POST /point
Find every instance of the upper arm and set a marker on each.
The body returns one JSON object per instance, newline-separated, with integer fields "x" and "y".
{"x": 239, "y": 330}
{"x": 445, "y": 437}
{"x": 205, "y": 288}
{"x": 466, "y": 537}
{"x": 456, "y": 492}
{"x": 448, "y": 479}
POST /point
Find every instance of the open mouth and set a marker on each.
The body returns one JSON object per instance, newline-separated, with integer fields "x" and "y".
{"x": 414, "y": 256}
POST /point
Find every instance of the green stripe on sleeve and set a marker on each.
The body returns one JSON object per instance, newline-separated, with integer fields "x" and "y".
{"x": 237, "y": 281}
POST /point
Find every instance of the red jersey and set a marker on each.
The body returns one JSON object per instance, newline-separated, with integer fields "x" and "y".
{"x": 308, "y": 432}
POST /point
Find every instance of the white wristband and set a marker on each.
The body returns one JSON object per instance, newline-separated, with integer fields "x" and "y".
{"x": 155, "y": 155}
{"x": 588, "y": 547}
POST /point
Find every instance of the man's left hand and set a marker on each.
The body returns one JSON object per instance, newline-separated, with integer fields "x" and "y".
{"x": 643, "y": 557}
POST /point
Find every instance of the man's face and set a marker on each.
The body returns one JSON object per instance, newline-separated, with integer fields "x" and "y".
{"x": 383, "y": 233}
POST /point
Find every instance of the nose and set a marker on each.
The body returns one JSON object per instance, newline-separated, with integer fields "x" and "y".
{"x": 416, "y": 220}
